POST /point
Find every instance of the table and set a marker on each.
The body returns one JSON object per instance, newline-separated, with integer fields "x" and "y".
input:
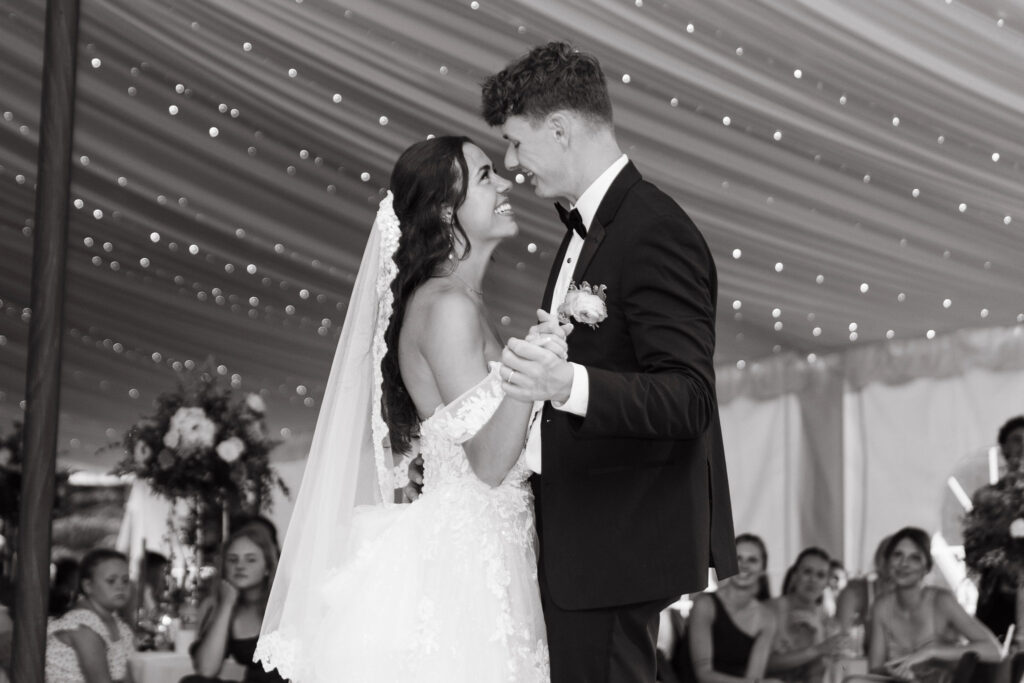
{"x": 840, "y": 668}
{"x": 170, "y": 667}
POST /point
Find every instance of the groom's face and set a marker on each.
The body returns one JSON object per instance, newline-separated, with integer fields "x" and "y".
{"x": 534, "y": 150}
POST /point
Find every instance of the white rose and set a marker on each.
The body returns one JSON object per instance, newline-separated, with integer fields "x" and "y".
{"x": 142, "y": 451}
{"x": 172, "y": 437}
{"x": 588, "y": 308}
{"x": 1017, "y": 528}
{"x": 255, "y": 403}
{"x": 6, "y": 455}
{"x": 230, "y": 449}
{"x": 190, "y": 428}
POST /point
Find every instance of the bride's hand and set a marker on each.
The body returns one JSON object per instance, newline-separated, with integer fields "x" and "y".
{"x": 550, "y": 334}
{"x": 556, "y": 345}
{"x": 414, "y": 488}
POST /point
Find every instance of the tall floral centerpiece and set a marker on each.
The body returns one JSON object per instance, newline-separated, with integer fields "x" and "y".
{"x": 994, "y": 528}
{"x": 206, "y": 449}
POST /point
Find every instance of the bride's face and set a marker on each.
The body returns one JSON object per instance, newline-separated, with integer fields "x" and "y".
{"x": 485, "y": 215}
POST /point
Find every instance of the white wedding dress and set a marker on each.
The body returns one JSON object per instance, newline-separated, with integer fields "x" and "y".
{"x": 443, "y": 589}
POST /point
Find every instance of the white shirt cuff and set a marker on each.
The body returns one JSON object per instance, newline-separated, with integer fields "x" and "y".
{"x": 579, "y": 394}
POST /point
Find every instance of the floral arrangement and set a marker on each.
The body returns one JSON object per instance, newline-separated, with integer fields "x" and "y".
{"x": 585, "y": 304}
{"x": 994, "y": 528}
{"x": 205, "y": 448}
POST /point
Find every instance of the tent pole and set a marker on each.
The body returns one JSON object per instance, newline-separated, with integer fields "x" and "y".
{"x": 42, "y": 390}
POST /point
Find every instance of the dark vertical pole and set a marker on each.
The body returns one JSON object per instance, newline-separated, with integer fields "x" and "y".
{"x": 42, "y": 390}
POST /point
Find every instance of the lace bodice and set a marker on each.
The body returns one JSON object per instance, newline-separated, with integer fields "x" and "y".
{"x": 444, "y": 432}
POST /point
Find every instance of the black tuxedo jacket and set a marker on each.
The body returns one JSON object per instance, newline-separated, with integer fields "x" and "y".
{"x": 634, "y": 499}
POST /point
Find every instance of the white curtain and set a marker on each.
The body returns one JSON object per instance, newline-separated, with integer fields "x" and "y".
{"x": 843, "y": 449}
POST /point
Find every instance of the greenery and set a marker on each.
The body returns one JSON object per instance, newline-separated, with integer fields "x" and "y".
{"x": 202, "y": 446}
{"x": 994, "y": 528}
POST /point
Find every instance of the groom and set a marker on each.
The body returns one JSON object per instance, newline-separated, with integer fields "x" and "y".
{"x": 631, "y": 492}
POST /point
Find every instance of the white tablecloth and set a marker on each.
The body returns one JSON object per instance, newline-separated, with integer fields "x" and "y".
{"x": 170, "y": 667}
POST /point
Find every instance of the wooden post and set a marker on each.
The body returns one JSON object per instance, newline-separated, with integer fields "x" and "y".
{"x": 42, "y": 391}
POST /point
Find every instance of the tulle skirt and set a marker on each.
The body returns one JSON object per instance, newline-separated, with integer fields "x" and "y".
{"x": 444, "y": 589}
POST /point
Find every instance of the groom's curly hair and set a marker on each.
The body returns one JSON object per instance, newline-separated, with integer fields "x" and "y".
{"x": 427, "y": 179}
{"x": 549, "y": 78}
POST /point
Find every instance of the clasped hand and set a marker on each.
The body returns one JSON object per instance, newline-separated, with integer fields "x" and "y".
{"x": 903, "y": 667}
{"x": 536, "y": 368}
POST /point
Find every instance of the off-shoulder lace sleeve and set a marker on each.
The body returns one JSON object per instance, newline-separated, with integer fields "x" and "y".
{"x": 461, "y": 419}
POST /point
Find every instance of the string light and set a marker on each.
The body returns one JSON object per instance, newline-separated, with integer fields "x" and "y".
{"x": 283, "y": 297}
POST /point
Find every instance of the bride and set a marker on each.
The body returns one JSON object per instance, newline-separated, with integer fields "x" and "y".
{"x": 444, "y": 588}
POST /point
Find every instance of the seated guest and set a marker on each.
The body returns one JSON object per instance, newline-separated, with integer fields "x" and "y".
{"x": 805, "y": 637}
{"x": 153, "y": 588}
{"x": 853, "y": 609}
{"x": 730, "y": 632}
{"x": 230, "y": 620}
{"x": 919, "y": 632}
{"x": 837, "y": 581}
{"x": 1011, "y": 442}
{"x": 6, "y": 634}
{"x": 90, "y": 643}
{"x": 240, "y": 522}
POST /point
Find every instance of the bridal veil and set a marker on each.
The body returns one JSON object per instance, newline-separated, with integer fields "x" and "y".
{"x": 349, "y": 462}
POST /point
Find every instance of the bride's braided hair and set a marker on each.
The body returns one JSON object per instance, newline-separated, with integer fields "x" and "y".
{"x": 427, "y": 178}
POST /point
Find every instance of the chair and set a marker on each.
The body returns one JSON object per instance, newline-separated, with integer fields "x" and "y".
{"x": 1016, "y": 667}
{"x": 964, "y": 670}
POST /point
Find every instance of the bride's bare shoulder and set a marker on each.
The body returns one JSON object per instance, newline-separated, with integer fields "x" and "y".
{"x": 442, "y": 313}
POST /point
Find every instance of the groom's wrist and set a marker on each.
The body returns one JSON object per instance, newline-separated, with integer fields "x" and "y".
{"x": 577, "y": 392}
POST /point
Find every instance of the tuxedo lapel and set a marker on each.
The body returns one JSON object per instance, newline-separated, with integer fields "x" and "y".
{"x": 627, "y": 178}
{"x": 595, "y": 234}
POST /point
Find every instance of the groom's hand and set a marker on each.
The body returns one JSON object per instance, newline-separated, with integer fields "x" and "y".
{"x": 414, "y": 488}
{"x": 535, "y": 373}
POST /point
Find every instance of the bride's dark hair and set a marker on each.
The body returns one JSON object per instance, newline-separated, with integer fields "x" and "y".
{"x": 428, "y": 181}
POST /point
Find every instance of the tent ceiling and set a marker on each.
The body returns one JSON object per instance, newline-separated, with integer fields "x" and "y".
{"x": 839, "y": 157}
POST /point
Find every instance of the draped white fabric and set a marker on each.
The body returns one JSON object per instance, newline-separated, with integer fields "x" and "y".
{"x": 259, "y": 136}
{"x": 844, "y": 451}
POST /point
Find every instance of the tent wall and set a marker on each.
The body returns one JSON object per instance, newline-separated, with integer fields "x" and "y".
{"x": 839, "y": 450}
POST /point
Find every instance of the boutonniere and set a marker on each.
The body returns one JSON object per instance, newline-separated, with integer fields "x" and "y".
{"x": 584, "y": 304}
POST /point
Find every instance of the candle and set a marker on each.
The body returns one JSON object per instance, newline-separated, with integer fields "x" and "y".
{"x": 960, "y": 494}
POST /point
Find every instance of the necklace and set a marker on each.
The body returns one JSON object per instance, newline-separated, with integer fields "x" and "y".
{"x": 465, "y": 284}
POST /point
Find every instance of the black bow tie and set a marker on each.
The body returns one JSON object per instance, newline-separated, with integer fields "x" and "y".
{"x": 572, "y": 220}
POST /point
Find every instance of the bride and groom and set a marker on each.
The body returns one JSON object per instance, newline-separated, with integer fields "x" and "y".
{"x": 573, "y": 480}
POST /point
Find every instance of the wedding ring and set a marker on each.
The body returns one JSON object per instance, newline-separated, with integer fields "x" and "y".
{"x": 510, "y": 373}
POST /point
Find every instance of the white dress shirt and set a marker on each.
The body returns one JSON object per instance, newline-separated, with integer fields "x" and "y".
{"x": 579, "y": 394}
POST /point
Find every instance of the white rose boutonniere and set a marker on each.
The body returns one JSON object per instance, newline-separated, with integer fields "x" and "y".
{"x": 584, "y": 304}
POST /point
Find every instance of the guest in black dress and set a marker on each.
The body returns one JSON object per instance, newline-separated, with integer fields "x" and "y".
{"x": 730, "y": 632}
{"x": 230, "y": 620}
